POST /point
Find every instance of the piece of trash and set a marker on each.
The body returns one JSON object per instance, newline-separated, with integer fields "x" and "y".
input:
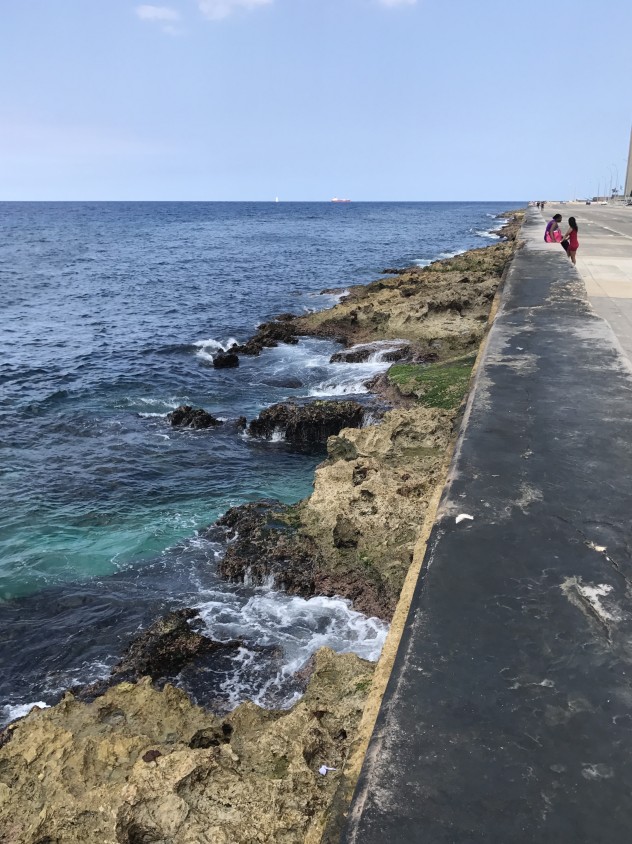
{"x": 462, "y": 516}
{"x": 520, "y": 348}
{"x": 324, "y": 768}
{"x": 599, "y": 548}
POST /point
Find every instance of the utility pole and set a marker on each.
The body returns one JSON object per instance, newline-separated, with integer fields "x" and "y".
{"x": 628, "y": 176}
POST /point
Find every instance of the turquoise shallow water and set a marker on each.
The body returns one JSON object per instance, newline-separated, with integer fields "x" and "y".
{"x": 111, "y": 314}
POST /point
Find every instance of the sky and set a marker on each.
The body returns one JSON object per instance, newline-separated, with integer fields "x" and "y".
{"x": 383, "y": 100}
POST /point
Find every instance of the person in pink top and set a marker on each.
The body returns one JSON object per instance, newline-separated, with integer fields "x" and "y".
{"x": 571, "y": 237}
{"x": 552, "y": 233}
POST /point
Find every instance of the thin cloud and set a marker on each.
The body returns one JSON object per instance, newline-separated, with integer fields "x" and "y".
{"x": 216, "y": 10}
{"x": 160, "y": 14}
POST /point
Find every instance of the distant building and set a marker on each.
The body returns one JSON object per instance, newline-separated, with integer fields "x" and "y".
{"x": 628, "y": 175}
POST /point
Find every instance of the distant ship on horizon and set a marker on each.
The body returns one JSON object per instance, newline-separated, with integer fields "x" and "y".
{"x": 335, "y": 199}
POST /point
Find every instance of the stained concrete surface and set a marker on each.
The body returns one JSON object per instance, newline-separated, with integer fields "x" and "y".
{"x": 604, "y": 261}
{"x": 508, "y": 715}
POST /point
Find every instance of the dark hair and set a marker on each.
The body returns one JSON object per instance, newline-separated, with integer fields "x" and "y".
{"x": 572, "y": 222}
{"x": 558, "y": 217}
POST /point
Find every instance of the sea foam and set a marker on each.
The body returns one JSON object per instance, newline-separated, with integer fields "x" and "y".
{"x": 299, "y": 626}
{"x": 206, "y": 349}
{"x": 10, "y": 713}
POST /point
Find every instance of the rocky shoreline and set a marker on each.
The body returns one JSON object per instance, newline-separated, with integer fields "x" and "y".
{"x": 132, "y": 759}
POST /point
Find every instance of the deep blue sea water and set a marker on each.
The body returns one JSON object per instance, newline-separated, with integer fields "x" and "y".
{"x": 109, "y": 316}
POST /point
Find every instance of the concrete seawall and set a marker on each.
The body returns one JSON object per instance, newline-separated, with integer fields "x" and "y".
{"x": 508, "y": 715}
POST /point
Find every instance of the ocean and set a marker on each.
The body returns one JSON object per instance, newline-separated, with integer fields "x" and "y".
{"x": 109, "y": 316}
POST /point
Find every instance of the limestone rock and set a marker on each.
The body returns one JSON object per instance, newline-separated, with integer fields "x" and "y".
{"x": 346, "y": 533}
{"x": 142, "y": 765}
{"x": 419, "y": 305}
{"x": 369, "y": 502}
{"x": 340, "y": 448}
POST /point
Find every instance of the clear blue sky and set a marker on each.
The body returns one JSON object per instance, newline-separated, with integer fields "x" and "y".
{"x": 308, "y": 99}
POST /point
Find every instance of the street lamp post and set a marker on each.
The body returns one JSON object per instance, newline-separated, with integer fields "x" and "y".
{"x": 616, "y": 179}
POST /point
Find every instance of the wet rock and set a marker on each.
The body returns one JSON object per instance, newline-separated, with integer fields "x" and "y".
{"x": 225, "y": 360}
{"x": 242, "y": 423}
{"x": 267, "y": 545}
{"x": 160, "y": 652}
{"x": 286, "y": 383}
{"x": 186, "y": 416}
{"x": 368, "y": 594}
{"x": 165, "y": 647}
{"x": 307, "y": 424}
{"x": 358, "y": 355}
{"x": 400, "y": 353}
{"x": 268, "y": 335}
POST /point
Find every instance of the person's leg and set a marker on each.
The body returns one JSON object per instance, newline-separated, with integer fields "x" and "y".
{"x": 571, "y": 255}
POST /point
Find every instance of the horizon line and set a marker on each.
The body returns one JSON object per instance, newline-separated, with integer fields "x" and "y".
{"x": 277, "y": 202}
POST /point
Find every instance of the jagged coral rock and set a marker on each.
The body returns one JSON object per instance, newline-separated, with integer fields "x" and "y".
{"x": 441, "y": 309}
{"x": 368, "y": 506}
{"x": 130, "y": 767}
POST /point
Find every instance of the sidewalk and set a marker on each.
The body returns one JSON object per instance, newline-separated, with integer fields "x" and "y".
{"x": 508, "y": 715}
{"x": 604, "y": 261}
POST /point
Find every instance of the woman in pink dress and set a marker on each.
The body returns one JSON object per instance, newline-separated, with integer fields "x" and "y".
{"x": 571, "y": 236}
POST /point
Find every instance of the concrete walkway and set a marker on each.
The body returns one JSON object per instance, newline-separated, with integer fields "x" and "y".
{"x": 604, "y": 260}
{"x": 508, "y": 715}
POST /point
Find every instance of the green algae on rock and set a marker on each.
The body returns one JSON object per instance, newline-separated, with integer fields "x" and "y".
{"x": 441, "y": 385}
